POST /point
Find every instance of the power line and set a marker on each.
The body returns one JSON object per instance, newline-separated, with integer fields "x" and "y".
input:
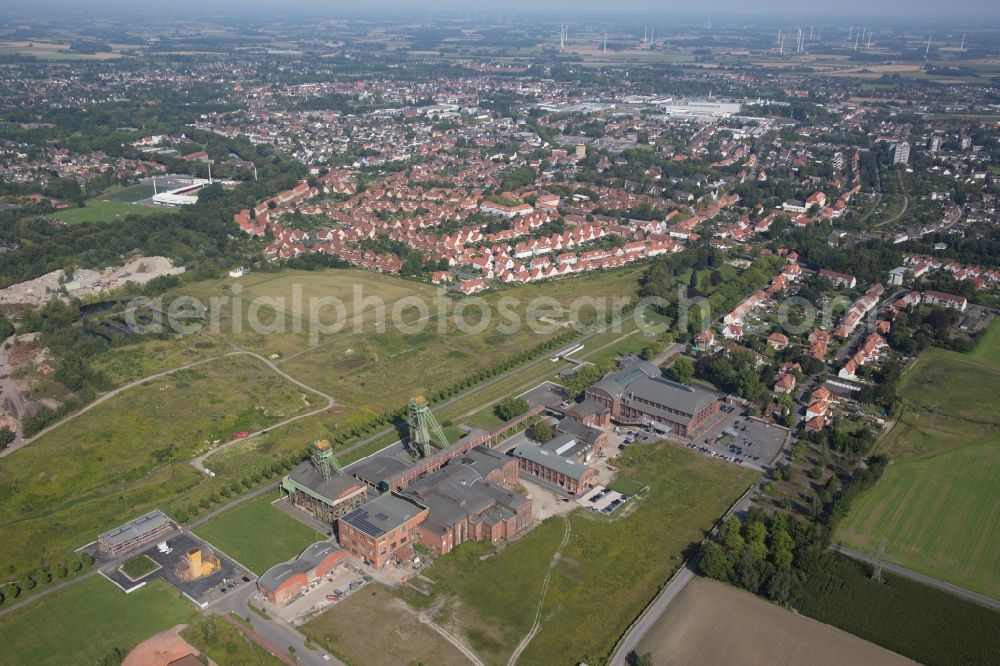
{"x": 879, "y": 560}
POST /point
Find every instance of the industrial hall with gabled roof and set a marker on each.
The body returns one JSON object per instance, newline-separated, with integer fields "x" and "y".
{"x": 637, "y": 394}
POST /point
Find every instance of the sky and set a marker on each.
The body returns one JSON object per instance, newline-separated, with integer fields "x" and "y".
{"x": 844, "y": 9}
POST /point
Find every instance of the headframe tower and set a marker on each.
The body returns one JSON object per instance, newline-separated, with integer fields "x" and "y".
{"x": 425, "y": 431}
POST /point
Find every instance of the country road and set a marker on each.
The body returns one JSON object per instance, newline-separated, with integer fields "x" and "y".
{"x": 974, "y": 597}
{"x": 652, "y": 613}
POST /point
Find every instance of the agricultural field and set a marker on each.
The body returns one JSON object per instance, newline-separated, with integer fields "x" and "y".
{"x": 131, "y": 452}
{"x": 83, "y": 623}
{"x": 936, "y": 504}
{"x": 258, "y": 535}
{"x": 605, "y": 574}
{"x": 713, "y": 623}
{"x": 923, "y": 623}
{"x": 371, "y": 628}
{"x": 46, "y": 50}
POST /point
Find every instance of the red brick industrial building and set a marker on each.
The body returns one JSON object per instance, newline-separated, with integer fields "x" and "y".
{"x": 571, "y": 476}
{"x": 468, "y": 499}
{"x": 377, "y": 530}
{"x": 283, "y": 582}
{"x": 637, "y": 394}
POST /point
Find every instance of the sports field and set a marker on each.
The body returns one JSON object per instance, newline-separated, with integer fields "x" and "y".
{"x": 129, "y": 194}
{"x": 83, "y": 623}
{"x": 131, "y": 452}
{"x": 604, "y": 576}
{"x": 99, "y": 210}
{"x": 712, "y": 623}
{"x": 936, "y": 504}
{"x": 257, "y": 535}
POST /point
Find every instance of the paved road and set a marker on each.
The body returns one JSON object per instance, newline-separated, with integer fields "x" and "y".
{"x": 51, "y": 590}
{"x": 920, "y": 578}
{"x": 274, "y": 630}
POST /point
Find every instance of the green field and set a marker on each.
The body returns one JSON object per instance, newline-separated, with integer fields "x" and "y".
{"x": 626, "y": 486}
{"x": 605, "y": 575}
{"x": 99, "y": 210}
{"x": 936, "y": 504}
{"x": 138, "y": 566}
{"x": 258, "y": 535}
{"x": 928, "y": 625}
{"x": 128, "y": 194}
{"x": 81, "y": 624}
{"x": 367, "y": 372}
{"x": 130, "y": 453}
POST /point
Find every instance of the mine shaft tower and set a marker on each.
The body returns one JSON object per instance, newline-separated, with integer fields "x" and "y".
{"x": 425, "y": 431}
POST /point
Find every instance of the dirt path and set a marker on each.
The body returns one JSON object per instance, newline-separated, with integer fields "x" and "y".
{"x": 197, "y": 462}
{"x": 459, "y": 645}
{"x": 10, "y": 397}
{"x": 541, "y": 598}
{"x": 906, "y": 203}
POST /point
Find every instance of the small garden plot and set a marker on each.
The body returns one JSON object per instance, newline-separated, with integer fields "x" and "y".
{"x": 139, "y": 567}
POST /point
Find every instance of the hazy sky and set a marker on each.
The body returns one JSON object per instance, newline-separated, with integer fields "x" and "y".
{"x": 845, "y": 9}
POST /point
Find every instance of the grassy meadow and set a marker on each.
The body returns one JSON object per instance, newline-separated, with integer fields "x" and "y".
{"x": 607, "y": 572}
{"x": 130, "y": 453}
{"x": 258, "y": 535}
{"x": 83, "y": 623}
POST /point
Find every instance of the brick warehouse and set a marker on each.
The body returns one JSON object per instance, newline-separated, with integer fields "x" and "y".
{"x": 637, "y": 394}
{"x": 469, "y": 499}
{"x": 287, "y": 580}
{"x": 571, "y": 476}
{"x": 377, "y": 530}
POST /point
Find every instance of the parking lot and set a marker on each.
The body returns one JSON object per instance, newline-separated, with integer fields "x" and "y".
{"x": 740, "y": 439}
{"x": 601, "y": 499}
{"x": 547, "y": 394}
{"x": 228, "y": 577}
